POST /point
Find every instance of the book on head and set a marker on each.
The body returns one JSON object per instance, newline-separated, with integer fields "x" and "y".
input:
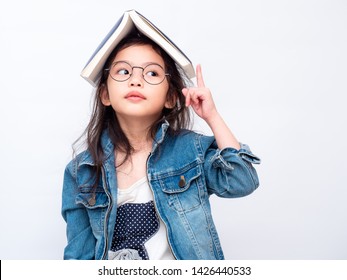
{"x": 127, "y": 23}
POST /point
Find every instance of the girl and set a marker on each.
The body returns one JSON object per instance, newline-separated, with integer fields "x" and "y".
{"x": 141, "y": 189}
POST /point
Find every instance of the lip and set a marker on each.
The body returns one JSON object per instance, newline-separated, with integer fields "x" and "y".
{"x": 134, "y": 95}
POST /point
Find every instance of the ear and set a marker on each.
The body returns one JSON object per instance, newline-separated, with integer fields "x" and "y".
{"x": 104, "y": 96}
{"x": 170, "y": 102}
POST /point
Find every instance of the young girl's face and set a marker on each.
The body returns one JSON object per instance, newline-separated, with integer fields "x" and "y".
{"x": 136, "y": 98}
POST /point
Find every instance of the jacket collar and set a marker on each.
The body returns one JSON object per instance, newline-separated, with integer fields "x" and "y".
{"x": 160, "y": 135}
{"x": 108, "y": 147}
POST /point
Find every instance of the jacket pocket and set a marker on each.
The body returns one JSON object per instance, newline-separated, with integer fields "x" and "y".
{"x": 183, "y": 188}
{"x": 92, "y": 199}
{"x": 96, "y": 204}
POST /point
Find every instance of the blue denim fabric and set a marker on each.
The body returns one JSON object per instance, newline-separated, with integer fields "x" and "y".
{"x": 182, "y": 170}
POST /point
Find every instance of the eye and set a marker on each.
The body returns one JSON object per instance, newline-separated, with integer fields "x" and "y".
{"x": 152, "y": 73}
{"x": 122, "y": 72}
{"x": 121, "y": 69}
{"x": 154, "y": 70}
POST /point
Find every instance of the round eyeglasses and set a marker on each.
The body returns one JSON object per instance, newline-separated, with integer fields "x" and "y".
{"x": 153, "y": 73}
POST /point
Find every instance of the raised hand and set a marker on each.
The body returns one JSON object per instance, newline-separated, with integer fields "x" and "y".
{"x": 200, "y": 98}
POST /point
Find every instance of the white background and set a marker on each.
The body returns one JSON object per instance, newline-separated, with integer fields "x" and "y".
{"x": 277, "y": 70}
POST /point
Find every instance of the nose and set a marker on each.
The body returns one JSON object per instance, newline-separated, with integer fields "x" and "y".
{"x": 136, "y": 78}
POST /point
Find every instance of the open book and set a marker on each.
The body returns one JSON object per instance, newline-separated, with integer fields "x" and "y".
{"x": 127, "y": 23}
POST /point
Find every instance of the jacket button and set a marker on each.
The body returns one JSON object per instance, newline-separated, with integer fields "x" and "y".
{"x": 182, "y": 182}
{"x": 92, "y": 201}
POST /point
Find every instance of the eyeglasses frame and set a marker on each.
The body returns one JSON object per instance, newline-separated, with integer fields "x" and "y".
{"x": 132, "y": 71}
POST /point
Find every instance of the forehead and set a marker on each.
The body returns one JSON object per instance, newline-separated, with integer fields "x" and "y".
{"x": 139, "y": 54}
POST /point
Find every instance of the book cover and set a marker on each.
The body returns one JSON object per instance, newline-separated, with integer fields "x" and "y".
{"x": 126, "y": 24}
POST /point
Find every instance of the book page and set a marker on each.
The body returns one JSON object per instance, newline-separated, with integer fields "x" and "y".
{"x": 118, "y": 32}
{"x": 157, "y": 36}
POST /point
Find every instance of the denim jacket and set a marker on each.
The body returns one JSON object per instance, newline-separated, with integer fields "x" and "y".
{"x": 182, "y": 170}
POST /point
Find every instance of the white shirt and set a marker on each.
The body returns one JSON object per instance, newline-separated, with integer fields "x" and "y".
{"x": 139, "y": 232}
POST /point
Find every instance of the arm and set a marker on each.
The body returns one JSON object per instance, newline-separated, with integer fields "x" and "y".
{"x": 228, "y": 165}
{"x": 200, "y": 98}
{"x": 230, "y": 172}
{"x": 80, "y": 239}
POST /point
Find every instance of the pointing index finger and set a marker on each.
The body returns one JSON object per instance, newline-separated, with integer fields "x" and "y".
{"x": 199, "y": 78}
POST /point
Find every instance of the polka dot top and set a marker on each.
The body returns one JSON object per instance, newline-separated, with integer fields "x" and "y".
{"x": 139, "y": 233}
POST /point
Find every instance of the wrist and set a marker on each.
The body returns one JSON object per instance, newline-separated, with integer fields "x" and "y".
{"x": 213, "y": 119}
{"x": 222, "y": 133}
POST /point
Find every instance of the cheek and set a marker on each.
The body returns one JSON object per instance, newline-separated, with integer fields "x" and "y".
{"x": 165, "y": 90}
{"x": 114, "y": 91}
{"x": 163, "y": 98}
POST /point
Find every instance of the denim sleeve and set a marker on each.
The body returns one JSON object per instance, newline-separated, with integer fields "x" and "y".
{"x": 80, "y": 239}
{"x": 230, "y": 172}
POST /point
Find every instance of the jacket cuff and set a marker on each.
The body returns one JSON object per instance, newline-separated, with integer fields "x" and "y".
{"x": 246, "y": 154}
{"x": 229, "y": 155}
